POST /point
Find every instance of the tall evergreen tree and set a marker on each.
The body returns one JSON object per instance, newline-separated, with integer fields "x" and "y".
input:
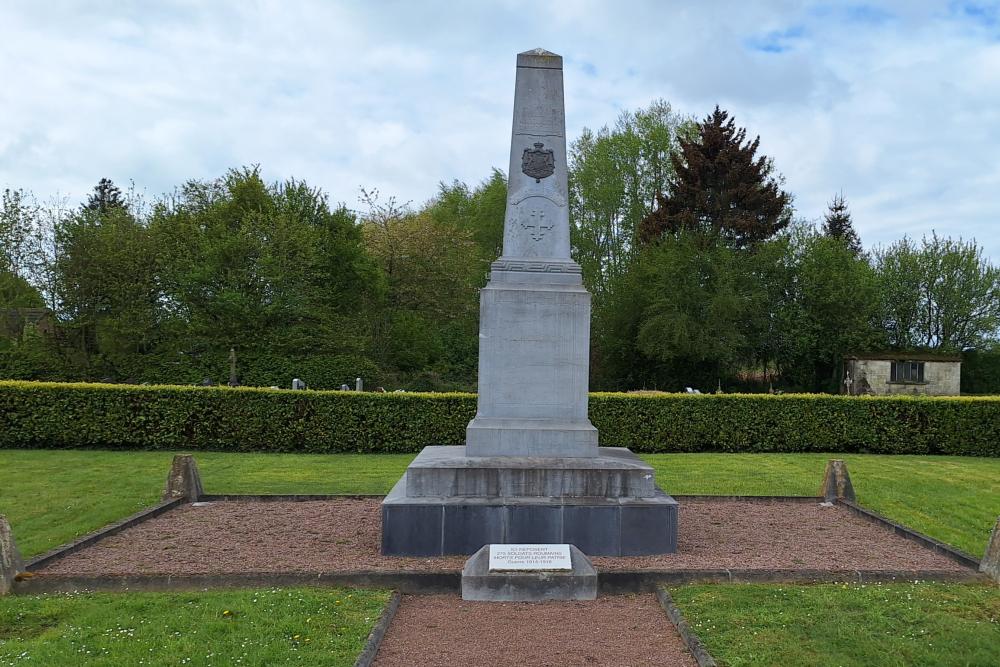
{"x": 105, "y": 197}
{"x": 837, "y": 224}
{"x": 720, "y": 187}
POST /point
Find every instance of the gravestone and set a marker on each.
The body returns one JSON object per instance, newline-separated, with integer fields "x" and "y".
{"x": 531, "y": 470}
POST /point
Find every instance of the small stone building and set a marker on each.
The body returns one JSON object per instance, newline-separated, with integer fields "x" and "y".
{"x": 902, "y": 373}
{"x": 15, "y": 323}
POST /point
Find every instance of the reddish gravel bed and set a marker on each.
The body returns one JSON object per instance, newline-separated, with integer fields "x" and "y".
{"x": 431, "y": 630}
{"x": 343, "y": 534}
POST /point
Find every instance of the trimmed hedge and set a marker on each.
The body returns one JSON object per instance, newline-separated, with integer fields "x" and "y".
{"x": 54, "y": 415}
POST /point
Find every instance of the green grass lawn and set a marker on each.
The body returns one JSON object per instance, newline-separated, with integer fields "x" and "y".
{"x": 51, "y": 497}
{"x": 265, "y": 627}
{"x": 897, "y": 624}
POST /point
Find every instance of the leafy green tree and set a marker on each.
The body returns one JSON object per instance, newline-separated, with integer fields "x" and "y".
{"x": 829, "y": 311}
{"x": 687, "y": 314}
{"x": 21, "y": 254}
{"x": 433, "y": 269}
{"x": 269, "y": 269}
{"x": 981, "y": 370}
{"x": 614, "y": 175}
{"x": 720, "y": 188}
{"x": 106, "y": 283}
{"x": 942, "y": 294}
{"x": 477, "y": 211}
{"x": 837, "y": 224}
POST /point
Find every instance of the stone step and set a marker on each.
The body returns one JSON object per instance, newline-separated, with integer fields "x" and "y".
{"x": 446, "y": 472}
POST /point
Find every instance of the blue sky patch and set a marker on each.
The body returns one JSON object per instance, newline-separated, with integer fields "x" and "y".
{"x": 776, "y": 41}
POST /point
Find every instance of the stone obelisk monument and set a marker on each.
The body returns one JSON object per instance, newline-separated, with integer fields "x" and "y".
{"x": 534, "y": 316}
{"x": 531, "y": 470}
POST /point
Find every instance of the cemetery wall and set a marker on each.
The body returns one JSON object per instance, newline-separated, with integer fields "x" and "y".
{"x": 56, "y": 415}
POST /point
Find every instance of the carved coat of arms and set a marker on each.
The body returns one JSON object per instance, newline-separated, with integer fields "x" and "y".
{"x": 538, "y": 163}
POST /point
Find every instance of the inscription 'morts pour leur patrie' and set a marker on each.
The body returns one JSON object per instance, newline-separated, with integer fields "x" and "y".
{"x": 513, "y": 557}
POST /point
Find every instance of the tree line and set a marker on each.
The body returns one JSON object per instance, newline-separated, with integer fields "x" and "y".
{"x": 702, "y": 274}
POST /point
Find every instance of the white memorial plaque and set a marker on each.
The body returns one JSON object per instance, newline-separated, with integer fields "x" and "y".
{"x": 505, "y": 557}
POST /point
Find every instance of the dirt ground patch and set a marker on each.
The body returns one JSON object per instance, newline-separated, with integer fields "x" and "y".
{"x": 611, "y": 630}
{"x": 229, "y": 537}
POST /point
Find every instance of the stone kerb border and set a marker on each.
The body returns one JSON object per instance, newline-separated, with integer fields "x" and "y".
{"x": 375, "y": 637}
{"x": 416, "y": 583}
{"x": 612, "y": 582}
{"x": 615, "y": 582}
{"x": 609, "y": 582}
{"x": 691, "y": 639}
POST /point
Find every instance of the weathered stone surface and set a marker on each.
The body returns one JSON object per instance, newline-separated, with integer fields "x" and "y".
{"x": 837, "y": 482}
{"x": 183, "y": 480}
{"x": 942, "y": 377}
{"x": 990, "y": 564}
{"x": 599, "y": 526}
{"x": 11, "y": 563}
{"x": 478, "y": 583}
{"x": 531, "y": 470}
{"x": 534, "y": 331}
{"x": 447, "y": 471}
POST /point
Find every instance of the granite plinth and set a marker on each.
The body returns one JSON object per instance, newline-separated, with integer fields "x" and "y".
{"x": 461, "y": 525}
{"x": 534, "y": 347}
{"x": 447, "y": 472}
{"x": 478, "y": 583}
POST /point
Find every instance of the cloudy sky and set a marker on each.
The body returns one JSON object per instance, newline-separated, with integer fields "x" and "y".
{"x": 895, "y": 104}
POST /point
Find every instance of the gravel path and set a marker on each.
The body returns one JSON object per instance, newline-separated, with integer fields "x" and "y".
{"x": 343, "y": 534}
{"x": 619, "y": 630}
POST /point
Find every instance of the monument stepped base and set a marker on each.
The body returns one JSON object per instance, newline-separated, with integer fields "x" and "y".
{"x": 448, "y": 503}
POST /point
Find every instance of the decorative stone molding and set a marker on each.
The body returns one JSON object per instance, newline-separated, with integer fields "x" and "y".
{"x": 535, "y": 267}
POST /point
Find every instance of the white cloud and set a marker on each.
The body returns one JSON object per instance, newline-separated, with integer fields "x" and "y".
{"x": 896, "y": 104}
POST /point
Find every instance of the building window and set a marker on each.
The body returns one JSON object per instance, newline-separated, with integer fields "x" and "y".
{"x": 907, "y": 371}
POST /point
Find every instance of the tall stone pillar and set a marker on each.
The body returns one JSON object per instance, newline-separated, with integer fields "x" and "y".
{"x": 534, "y": 331}
{"x": 531, "y": 470}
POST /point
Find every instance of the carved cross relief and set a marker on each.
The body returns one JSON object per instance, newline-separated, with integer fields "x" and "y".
{"x": 535, "y": 224}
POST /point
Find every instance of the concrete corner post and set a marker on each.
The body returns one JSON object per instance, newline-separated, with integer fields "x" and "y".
{"x": 990, "y": 565}
{"x": 11, "y": 563}
{"x": 837, "y": 482}
{"x": 183, "y": 480}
